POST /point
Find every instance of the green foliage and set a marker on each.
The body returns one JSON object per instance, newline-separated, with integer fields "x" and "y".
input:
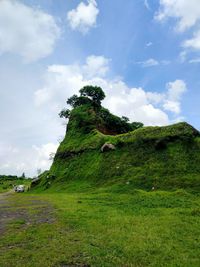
{"x": 76, "y": 101}
{"x": 95, "y": 93}
{"x": 83, "y": 119}
{"x": 72, "y": 101}
{"x": 116, "y": 124}
{"x": 125, "y": 119}
{"x": 101, "y": 119}
{"x": 145, "y": 157}
{"x": 88, "y": 95}
{"x": 161, "y": 157}
{"x": 136, "y": 125}
{"x": 65, "y": 113}
{"x": 9, "y": 177}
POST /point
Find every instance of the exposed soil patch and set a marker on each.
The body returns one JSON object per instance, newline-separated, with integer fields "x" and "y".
{"x": 30, "y": 211}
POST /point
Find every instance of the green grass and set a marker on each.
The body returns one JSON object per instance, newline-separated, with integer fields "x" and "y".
{"x": 136, "y": 206}
{"x": 109, "y": 229}
{"x": 128, "y": 167}
{"x": 166, "y": 158}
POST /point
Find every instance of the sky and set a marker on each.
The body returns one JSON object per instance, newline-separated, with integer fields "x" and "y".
{"x": 145, "y": 54}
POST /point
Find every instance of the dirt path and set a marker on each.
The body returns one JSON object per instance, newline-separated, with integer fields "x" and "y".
{"x": 23, "y": 209}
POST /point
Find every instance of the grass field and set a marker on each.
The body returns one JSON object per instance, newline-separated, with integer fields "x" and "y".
{"x": 135, "y": 206}
{"x": 101, "y": 229}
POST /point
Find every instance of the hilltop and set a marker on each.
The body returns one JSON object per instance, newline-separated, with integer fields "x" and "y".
{"x": 135, "y": 157}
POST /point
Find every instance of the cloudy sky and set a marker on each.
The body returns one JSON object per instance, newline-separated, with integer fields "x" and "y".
{"x": 145, "y": 54}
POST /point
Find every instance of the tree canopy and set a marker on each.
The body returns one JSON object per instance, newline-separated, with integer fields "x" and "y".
{"x": 95, "y": 93}
{"x": 92, "y": 96}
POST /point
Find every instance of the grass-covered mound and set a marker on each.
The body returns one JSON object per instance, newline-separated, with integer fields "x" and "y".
{"x": 149, "y": 157}
{"x": 107, "y": 220}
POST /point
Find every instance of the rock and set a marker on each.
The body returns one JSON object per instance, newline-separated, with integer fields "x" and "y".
{"x": 107, "y": 147}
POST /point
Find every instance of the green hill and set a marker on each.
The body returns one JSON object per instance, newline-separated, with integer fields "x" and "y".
{"x": 148, "y": 158}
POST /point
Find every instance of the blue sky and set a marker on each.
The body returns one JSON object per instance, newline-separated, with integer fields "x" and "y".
{"x": 144, "y": 54}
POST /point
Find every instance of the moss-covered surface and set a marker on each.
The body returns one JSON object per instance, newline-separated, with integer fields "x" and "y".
{"x": 137, "y": 205}
{"x": 148, "y": 158}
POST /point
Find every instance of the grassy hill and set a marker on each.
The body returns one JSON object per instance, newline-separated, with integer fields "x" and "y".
{"x": 135, "y": 205}
{"x": 166, "y": 158}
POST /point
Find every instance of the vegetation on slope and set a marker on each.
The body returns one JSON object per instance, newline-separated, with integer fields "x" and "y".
{"x": 88, "y": 114}
{"x": 146, "y": 158}
{"x": 105, "y": 219}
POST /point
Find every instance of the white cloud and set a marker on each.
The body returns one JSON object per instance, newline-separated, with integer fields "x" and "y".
{"x": 96, "y": 66}
{"x": 173, "y": 106}
{"x": 175, "y": 90}
{"x": 186, "y": 12}
{"x": 26, "y": 31}
{"x": 187, "y": 16}
{"x": 193, "y": 43}
{"x": 26, "y": 160}
{"x": 155, "y": 97}
{"x": 151, "y": 62}
{"x": 133, "y": 103}
{"x": 84, "y": 16}
{"x": 43, "y": 155}
{"x": 62, "y": 81}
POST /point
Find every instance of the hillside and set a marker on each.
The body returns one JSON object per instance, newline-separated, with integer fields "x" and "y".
{"x": 117, "y": 194}
{"x": 147, "y": 158}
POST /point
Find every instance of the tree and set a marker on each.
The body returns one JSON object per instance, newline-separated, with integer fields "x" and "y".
{"x": 83, "y": 100}
{"x": 65, "y": 113}
{"x": 95, "y": 115}
{"x": 72, "y": 101}
{"x": 95, "y": 93}
{"x": 135, "y": 125}
{"x": 23, "y": 175}
{"x": 125, "y": 119}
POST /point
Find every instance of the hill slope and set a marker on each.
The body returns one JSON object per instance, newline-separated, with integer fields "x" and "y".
{"x": 149, "y": 157}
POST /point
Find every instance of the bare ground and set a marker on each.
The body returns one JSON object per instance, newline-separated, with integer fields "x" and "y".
{"x": 30, "y": 211}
